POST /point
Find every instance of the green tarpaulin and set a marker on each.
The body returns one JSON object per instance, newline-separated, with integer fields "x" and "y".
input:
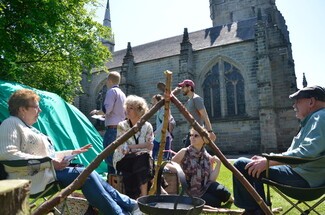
{"x": 63, "y": 122}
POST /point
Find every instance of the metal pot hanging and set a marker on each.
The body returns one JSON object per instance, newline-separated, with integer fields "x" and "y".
{"x": 171, "y": 204}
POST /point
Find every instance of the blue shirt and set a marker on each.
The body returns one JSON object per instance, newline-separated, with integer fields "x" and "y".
{"x": 113, "y": 103}
{"x": 310, "y": 143}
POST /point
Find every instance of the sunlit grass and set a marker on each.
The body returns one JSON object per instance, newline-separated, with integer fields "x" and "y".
{"x": 225, "y": 178}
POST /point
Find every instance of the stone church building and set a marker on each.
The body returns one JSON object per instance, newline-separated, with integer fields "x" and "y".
{"x": 242, "y": 67}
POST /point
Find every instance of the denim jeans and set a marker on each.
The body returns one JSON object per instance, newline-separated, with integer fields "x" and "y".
{"x": 282, "y": 174}
{"x": 109, "y": 137}
{"x": 98, "y": 192}
{"x": 216, "y": 194}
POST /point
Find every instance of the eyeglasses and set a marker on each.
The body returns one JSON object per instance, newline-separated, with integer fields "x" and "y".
{"x": 34, "y": 106}
{"x": 194, "y": 135}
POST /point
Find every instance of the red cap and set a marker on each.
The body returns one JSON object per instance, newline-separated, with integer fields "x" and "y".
{"x": 187, "y": 82}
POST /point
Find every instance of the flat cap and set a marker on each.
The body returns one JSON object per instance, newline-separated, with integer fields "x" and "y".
{"x": 315, "y": 91}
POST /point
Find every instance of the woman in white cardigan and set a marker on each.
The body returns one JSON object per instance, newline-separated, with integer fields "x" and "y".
{"x": 19, "y": 140}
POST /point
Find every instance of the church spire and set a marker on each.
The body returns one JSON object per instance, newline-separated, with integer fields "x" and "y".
{"x": 107, "y": 17}
{"x": 185, "y": 36}
{"x": 107, "y": 23}
{"x": 304, "y": 80}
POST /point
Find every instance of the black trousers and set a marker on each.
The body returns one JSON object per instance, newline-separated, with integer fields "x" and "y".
{"x": 137, "y": 169}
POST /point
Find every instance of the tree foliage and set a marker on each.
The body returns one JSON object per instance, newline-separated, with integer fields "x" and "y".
{"x": 49, "y": 44}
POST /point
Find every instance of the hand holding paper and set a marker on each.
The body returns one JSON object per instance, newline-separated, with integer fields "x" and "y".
{"x": 70, "y": 157}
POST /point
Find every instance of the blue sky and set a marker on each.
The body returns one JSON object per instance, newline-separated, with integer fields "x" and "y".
{"x": 143, "y": 21}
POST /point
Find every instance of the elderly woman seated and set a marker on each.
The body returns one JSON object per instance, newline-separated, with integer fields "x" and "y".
{"x": 134, "y": 157}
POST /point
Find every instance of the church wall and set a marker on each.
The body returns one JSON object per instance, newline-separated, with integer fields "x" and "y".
{"x": 234, "y": 135}
{"x": 240, "y": 135}
{"x": 148, "y": 74}
{"x": 283, "y": 81}
{"x": 265, "y": 64}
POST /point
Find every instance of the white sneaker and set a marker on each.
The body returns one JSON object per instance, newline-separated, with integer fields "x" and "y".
{"x": 137, "y": 212}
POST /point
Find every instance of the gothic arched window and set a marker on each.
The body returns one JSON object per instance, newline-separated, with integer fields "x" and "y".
{"x": 224, "y": 75}
{"x": 211, "y": 92}
{"x": 234, "y": 83}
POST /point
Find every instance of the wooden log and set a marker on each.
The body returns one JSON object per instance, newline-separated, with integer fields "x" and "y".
{"x": 14, "y": 195}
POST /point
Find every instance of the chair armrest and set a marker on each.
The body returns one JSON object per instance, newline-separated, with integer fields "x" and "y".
{"x": 291, "y": 160}
{"x": 28, "y": 166}
{"x": 22, "y": 163}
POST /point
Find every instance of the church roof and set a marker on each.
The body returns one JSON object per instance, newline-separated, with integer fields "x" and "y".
{"x": 202, "y": 39}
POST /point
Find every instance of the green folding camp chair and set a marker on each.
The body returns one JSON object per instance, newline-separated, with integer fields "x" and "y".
{"x": 296, "y": 196}
{"x": 33, "y": 166}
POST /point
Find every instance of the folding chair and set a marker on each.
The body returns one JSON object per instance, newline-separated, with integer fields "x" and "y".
{"x": 33, "y": 166}
{"x": 298, "y": 194}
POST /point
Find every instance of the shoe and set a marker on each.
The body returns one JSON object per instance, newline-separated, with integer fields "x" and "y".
{"x": 228, "y": 203}
{"x": 230, "y": 200}
{"x": 137, "y": 212}
{"x": 253, "y": 212}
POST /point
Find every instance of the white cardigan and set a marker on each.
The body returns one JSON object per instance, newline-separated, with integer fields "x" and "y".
{"x": 20, "y": 142}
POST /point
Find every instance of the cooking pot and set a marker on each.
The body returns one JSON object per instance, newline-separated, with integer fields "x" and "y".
{"x": 171, "y": 204}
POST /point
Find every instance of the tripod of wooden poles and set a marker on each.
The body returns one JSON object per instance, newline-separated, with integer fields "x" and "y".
{"x": 168, "y": 97}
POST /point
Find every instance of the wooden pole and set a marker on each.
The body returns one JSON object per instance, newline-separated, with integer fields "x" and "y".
{"x": 79, "y": 181}
{"x": 162, "y": 145}
{"x": 222, "y": 158}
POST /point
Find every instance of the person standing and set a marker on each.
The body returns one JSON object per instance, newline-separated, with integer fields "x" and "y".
{"x": 114, "y": 113}
{"x": 309, "y": 105}
{"x": 159, "y": 125}
{"x": 195, "y": 106}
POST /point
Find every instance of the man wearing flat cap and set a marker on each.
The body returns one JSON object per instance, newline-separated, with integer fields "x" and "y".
{"x": 309, "y": 105}
{"x": 195, "y": 106}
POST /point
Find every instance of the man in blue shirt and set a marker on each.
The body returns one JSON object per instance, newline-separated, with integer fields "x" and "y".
{"x": 309, "y": 105}
{"x": 114, "y": 113}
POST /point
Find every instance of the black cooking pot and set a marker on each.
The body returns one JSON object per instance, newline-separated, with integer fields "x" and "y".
{"x": 171, "y": 204}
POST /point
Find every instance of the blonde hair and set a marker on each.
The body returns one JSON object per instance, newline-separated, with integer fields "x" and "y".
{"x": 139, "y": 103}
{"x": 114, "y": 76}
{"x": 21, "y": 98}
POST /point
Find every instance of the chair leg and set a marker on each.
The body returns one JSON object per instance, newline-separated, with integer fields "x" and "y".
{"x": 293, "y": 205}
{"x": 312, "y": 208}
{"x": 268, "y": 197}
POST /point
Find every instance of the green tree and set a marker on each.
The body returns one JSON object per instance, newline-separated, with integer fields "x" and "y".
{"x": 49, "y": 44}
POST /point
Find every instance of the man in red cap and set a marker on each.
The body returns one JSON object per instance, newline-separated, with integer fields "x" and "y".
{"x": 195, "y": 106}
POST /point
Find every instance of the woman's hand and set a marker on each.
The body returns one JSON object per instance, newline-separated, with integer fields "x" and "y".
{"x": 82, "y": 149}
{"x": 212, "y": 136}
{"x": 214, "y": 159}
{"x": 215, "y": 167}
{"x": 60, "y": 165}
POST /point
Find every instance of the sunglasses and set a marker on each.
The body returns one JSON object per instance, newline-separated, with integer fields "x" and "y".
{"x": 194, "y": 135}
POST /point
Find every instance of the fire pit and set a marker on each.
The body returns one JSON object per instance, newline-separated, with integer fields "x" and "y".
{"x": 171, "y": 204}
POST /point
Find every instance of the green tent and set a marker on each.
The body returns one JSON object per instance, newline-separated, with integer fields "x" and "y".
{"x": 67, "y": 127}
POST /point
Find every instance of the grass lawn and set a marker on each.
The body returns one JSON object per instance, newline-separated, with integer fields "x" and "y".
{"x": 225, "y": 178}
